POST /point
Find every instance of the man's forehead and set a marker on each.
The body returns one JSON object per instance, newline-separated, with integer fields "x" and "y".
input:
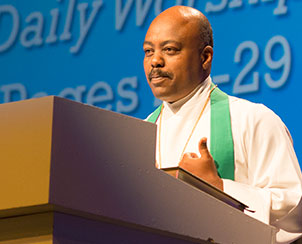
{"x": 165, "y": 22}
{"x": 170, "y": 31}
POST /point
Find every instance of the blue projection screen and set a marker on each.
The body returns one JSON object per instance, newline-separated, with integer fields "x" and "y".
{"x": 91, "y": 52}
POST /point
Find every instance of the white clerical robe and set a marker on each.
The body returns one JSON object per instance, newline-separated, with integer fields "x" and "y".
{"x": 267, "y": 174}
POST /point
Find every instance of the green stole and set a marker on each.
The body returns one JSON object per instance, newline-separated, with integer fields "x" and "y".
{"x": 222, "y": 145}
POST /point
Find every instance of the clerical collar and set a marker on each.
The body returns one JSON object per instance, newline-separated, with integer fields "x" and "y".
{"x": 176, "y": 106}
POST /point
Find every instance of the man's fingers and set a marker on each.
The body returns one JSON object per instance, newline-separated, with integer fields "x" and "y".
{"x": 186, "y": 160}
{"x": 189, "y": 156}
{"x": 193, "y": 155}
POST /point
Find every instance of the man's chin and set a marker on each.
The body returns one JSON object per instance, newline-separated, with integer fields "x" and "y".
{"x": 164, "y": 93}
{"x": 164, "y": 97}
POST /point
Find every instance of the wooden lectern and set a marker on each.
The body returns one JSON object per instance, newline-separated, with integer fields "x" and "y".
{"x": 73, "y": 173}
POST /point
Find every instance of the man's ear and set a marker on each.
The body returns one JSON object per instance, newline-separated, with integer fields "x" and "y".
{"x": 206, "y": 58}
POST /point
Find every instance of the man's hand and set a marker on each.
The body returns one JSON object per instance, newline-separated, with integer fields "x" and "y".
{"x": 203, "y": 167}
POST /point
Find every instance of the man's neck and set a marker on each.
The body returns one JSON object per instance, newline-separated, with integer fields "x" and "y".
{"x": 175, "y": 106}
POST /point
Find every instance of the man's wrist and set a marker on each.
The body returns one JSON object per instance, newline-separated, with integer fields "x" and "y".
{"x": 217, "y": 182}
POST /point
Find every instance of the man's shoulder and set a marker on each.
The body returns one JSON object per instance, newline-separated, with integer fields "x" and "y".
{"x": 255, "y": 119}
{"x": 252, "y": 112}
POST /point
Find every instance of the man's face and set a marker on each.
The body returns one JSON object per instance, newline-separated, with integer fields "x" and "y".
{"x": 172, "y": 63}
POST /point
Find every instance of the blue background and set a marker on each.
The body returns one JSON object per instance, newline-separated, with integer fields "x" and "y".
{"x": 110, "y": 53}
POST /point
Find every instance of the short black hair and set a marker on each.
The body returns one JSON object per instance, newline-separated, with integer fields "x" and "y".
{"x": 206, "y": 33}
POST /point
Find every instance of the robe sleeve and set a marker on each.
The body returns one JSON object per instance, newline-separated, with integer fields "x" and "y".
{"x": 273, "y": 187}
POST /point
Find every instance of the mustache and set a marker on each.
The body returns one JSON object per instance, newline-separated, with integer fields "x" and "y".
{"x": 159, "y": 73}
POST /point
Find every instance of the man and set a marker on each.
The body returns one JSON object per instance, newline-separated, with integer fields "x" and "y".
{"x": 254, "y": 160}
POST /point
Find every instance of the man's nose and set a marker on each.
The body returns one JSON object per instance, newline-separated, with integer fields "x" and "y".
{"x": 157, "y": 61}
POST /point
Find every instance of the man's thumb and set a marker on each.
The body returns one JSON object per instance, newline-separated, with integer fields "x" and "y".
{"x": 203, "y": 149}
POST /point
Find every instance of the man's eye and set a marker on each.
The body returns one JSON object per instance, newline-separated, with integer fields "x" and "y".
{"x": 170, "y": 50}
{"x": 148, "y": 52}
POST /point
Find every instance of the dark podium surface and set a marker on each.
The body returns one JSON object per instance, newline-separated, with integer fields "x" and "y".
{"x": 73, "y": 173}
